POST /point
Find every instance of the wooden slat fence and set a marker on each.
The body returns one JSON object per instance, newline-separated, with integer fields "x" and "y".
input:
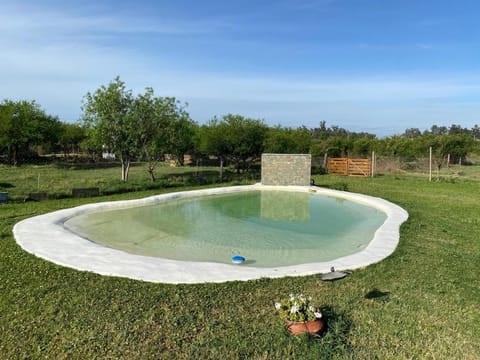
{"x": 349, "y": 167}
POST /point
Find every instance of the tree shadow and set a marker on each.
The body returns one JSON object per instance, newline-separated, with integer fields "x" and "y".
{"x": 193, "y": 173}
{"x": 376, "y": 294}
{"x": 88, "y": 165}
{"x": 342, "y": 186}
{"x": 6, "y": 186}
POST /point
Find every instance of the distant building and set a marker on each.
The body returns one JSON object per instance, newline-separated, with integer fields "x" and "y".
{"x": 106, "y": 154}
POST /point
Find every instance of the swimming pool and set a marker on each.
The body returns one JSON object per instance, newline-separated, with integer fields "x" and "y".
{"x": 48, "y": 237}
{"x": 270, "y": 228}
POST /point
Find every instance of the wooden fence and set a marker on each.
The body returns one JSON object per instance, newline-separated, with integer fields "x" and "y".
{"x": 349, "y": 167}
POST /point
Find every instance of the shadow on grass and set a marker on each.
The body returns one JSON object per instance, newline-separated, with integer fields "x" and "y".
{"x": 334, "y": 338}
{"x": 376, "y": 294}
{"x": 343, "y": 186}
{"x": 89, "y": 165}
{"x": 6, "y": 186}
{"x": 194, "y": 173}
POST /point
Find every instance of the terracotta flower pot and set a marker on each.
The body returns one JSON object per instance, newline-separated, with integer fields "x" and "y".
{"x": 311, "y": 327}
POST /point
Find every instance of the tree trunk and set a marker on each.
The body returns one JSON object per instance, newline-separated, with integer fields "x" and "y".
{"x": 221, "y": 169}
{"x": 151, "y": 171}
{"x": 125, "y": 169}
{"x": 180, "y": 159}
{"x": 15, "y": 155}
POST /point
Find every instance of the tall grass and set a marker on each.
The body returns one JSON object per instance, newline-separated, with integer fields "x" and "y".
{"x": 421, "y": 302}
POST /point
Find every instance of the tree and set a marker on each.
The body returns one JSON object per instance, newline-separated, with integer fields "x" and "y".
{"x": 475, "y": 132}
{"x": 71, "y": 137}
{"x": 152, "y": 123}
{"x": 50, "y": 130}
{"x": 456, "y": 130}
{"x": 181, "y": 132}
{"x": 282, "y": 140}
{"x": 321, "y": 132}
{"x": 438, "y": 130}
{"x": 211, "y": 141}
{"x": 334, "y": 147}
{"x": 244, "y": 138}
{"x": 109, "y": 116}
{"x": 412, "y": 133}
{"x": 163, "y": 126}
{"x": 22, "y": 124}
{"x": 363, "y": 146}
{"x": 457, "y": 146}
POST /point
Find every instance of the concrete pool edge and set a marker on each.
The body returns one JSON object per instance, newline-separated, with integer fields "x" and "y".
{"x": 46, "y": 237}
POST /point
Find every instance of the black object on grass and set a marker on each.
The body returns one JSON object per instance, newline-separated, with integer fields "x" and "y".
{"x": 334, "y": 275}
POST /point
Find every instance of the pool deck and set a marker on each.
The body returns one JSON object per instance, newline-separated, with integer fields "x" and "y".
{"x": 46, "y": 237}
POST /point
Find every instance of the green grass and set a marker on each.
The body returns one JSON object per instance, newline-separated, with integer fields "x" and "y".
{"x": 421, "y": 302}
{"x": 57, "y": 180}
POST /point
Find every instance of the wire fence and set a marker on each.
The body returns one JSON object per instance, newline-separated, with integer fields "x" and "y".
{"x": 438, "y": 168}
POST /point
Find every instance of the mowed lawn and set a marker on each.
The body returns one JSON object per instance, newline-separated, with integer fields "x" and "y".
{"x": 421, "y": 302}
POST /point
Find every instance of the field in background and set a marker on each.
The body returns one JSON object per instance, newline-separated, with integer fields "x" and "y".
{"x": 421, "y": 166}
{"x": 58, "y": 180}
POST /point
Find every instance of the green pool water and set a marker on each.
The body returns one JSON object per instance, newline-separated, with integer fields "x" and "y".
{"x": 268, "y": 228}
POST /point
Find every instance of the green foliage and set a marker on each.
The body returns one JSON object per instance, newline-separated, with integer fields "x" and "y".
{"x": 161, "y": 123}
{"x": 23, "y": 124}
{"x": 109, "y": 116}
{"x": 281, "y": 140}
{"x": 233, "y": 137}
{"x": 244, "y": 138}
{"x": 333, "y": 147}
{"x": 363, "y": 147}
{"x": 71, "y": 138}
{"x": 210, "y": 139}
{"x": 145, "y": 126}
{"x": 181, "y": 135}
{"x": 298, "y": 308}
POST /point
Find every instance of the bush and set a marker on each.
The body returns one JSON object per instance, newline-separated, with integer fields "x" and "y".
{"x": 318, "y": 170}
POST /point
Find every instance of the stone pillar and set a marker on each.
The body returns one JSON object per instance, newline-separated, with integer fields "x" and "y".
{"x": 286, "y": 169}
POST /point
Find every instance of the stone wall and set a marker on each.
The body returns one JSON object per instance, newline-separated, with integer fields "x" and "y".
{"x": 286, "y": 169}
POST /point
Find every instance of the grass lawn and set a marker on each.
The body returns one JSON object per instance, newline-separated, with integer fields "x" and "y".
{"x": 421, "y": 302}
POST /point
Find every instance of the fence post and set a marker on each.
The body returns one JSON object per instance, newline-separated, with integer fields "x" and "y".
{"x": 430, "y": 167}
{"x": 373, "y": 163}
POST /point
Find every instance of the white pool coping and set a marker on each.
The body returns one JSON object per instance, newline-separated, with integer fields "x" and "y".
{"x": 46, "y": 237}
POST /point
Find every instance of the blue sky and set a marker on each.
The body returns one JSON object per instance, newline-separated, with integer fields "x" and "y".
{"x": 366, "y": 65}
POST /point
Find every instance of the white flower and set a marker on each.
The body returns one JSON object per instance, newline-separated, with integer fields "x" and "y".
{"x": 292, "y": 297}
{"x": 318, "y": 315}
{"x": 311, "y": 308}
{"x": 278, "y": 306}
{"x": 294, "y": 308}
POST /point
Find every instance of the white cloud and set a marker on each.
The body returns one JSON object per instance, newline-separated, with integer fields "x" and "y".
{"x": 36, "y": 24}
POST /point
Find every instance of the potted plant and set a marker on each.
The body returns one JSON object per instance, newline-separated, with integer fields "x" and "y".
{"x": 300, "y": 315}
